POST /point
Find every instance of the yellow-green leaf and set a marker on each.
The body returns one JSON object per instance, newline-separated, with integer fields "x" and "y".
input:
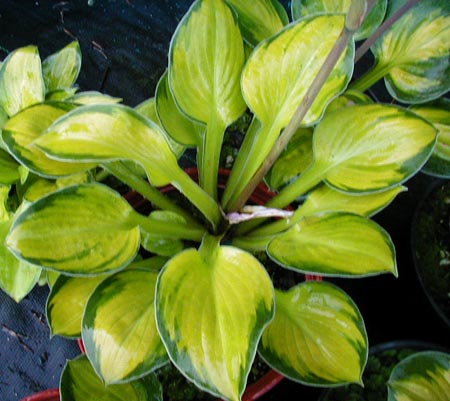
{"x": 317, "y": 337}
{"x": 335, "y": 244}
{"x": 274, "y": 97}
{"x": 119, "y": 327}
{"x": 303, "y": 8}
{"x": 424, "y": 376}
{"x": 93, "y": 97}
{"x": 439, "y": 114}
{"x": 21, "y": 82}
{"x": 61, "y": 69}
{"x": 9, "y": 169}
{"x": 17, "y": 277}
{"x": 98, "y": 133}
{"x": 148, "y": 109}
{"x": 211, "y": 308}
{"x": 414, "y": 54}
{"x": 259, "y": 19}
{"x": 60, "y": 95}
{"x": 79, "y": 382}
{"x": 180, "y": 127}
{"x": 20, "y": 132}
{"x": 79, "y": 230}
{"x": 66, "y": 303}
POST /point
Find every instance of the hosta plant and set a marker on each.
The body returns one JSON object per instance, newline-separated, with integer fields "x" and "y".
{"x": 181, "y": 283}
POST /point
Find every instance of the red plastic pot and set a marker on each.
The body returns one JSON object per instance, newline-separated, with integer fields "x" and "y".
{"x": 47, "y": 395}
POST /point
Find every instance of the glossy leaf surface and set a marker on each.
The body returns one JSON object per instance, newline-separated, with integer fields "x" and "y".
{"x": 211, "y": 311}
{"x": 259, "y": 19}
{"x": 206, "y": 58}
{"x": 424, "y": 376}
{"x": 372, "y": 147}
{"x": 25, "y": 127}
{"x": 9, "y": 169}
{"x": 415, "y": 52}
{"x": 119, "y": 327}
{"x": 79, "y": 382}
{"x": 110, "y": 132}
{"x": 335, "y": 244}
{"x": 21, "y": 82}
{"x": 66, "y": 304}
{"x": 61, "y": 69}
{"x": 81, "y": 230}
{"x": 317, "y": 337}
{"x": 303, "y": 8}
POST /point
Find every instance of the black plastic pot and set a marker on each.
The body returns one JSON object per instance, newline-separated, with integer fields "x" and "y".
{"x": 430, "y": 243}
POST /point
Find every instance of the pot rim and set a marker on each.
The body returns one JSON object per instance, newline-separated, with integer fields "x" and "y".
{"x": 46, "y": 395}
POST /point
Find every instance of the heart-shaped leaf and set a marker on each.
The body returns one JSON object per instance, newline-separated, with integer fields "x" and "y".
{"x": 335, "y": 244}
{"x": 211, "y": 308}
{"x": 26, "y": 126}
{"x": 439, "y": 114}
{"x": 66, "y": 303}
{"x": 423, "y": 376}
{"x": 414, "y": 55}
{"x": 274, "y": 98}
{"x": 80, "y": 230}
{"x": 79, "y": 382}
{"x": 61, "y": 69}
{"x": 303, "y": 8}
{"x": 21, "y": 82}
{"x": 119, "y": 327}
{"x": 317, "y": 337}
{"x": 205, "y": 63}
{"x": 364, "y": 148}
{"x": 259, "y": 19}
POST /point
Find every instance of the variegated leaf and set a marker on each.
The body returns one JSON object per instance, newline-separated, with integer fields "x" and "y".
{"x": 274, "y": 97}
{"x": 9, "y": 169}
{"x": 211, "y": 308}
{"x": 20, "y": 132}
{"x": 259, "y": 19}
{"x": 80, "y": 230}
{"x": 93, "y": 97}
{"x": 335, "y": 244}
{"x": 424, "y": 376}
{"x": 303, "y": 8}
{"x": 66, "y": 303}
{"x": 180, "y": 127}
{"x": 439, "y": 114}
{"x": 61, "y": 69}
{"x": 79, "y": 382}
{"x": 317, "y": 337}
{"x": 119, "y": 327}
{"x": 101, "y": 133}
{"x": 414, "y": 54}
{"x": 21, "y": 82}
{"x": 148, "y": 109}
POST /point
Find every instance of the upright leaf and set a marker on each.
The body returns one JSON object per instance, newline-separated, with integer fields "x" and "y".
{"x": 20, "y": 132}
{"x": 335, "y": 244}
{"x": 21, "y": 82}
{"x": 274, "y": 97}
{"x": 317, "y": 337}
{"x": 80, "y": 230}
{"x": 424, "y": 376}
{"x": 205, "y": 63}
{"x": 61, "y": 69}
{"x": 119, "y": 327}
{"x": 303, "y": 8}
{"x": 259, "y": 19}
{"x": 211, "y": 308}
{"x": 79, "y": 382}
{"x": 414, "y": 55}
